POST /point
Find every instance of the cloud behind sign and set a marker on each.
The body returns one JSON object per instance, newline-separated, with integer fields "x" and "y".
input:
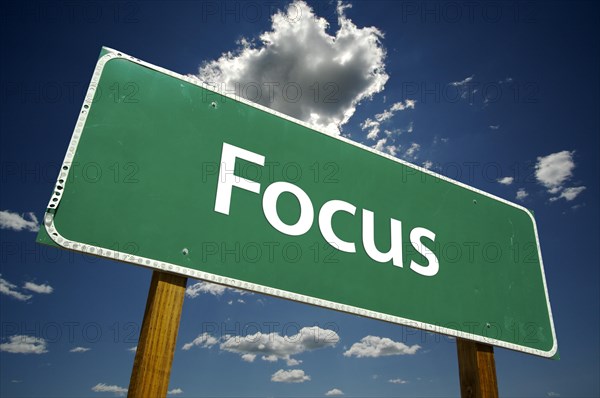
{"x": 302, "y": 70}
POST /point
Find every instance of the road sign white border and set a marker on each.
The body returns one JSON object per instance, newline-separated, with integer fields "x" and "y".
{"x": 176, "y": 269}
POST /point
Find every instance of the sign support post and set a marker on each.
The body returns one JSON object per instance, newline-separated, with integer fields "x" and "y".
{"x": 477, "y": 369}
{"x": 156, "y": 345}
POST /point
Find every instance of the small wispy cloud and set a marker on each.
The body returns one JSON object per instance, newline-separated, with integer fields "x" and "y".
{"x": 382, "y": 146}
{"x": 175, "y": 391}
{"x": 213, "y": 289}
{"x": 521, "y": 194}
{"x": 553, "y": 170}
{"x": 494, "y": 126}
{"x": 204, "y": 340}
{"x": 336, "y": 392}
{"x": 18, "y": 222}
{"x": 290, "y": 376}
{"x": 462, "y": 82}
{"x": 23, "y": 344}
{"x": 467, "y": 89}
{"x": 40, "y": 289}
{"x": 11, "y": 290}
{"x": 79, "y": 349}
{"x": 569, "y": 194}
{"x": 374, "y": 347}
{"x": 391, "y": 111}
{"x": 506, "y": 180}
{"x": 373, "y": 127}
{"x": 437, "y": 140}
{"x": 577, "y": 206}
{"x": 102, "y": 387}
{"x": 397, "y": 381}
{"x": 411, "y": 152}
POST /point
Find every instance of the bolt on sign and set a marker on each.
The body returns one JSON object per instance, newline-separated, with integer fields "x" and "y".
{"x": 164, "y": 172}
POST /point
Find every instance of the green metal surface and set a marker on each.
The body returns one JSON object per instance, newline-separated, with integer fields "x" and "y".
{"x": 144, "y": 180}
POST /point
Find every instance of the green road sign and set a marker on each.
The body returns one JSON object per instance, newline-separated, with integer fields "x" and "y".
{"x": 164, "y": 172}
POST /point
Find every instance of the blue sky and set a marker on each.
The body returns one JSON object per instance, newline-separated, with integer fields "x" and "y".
{"x": 501, "y": 96}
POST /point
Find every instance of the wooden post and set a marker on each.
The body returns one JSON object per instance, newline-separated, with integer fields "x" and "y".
{"x": 156, "y": 346}
{"x": 477, "y": 369}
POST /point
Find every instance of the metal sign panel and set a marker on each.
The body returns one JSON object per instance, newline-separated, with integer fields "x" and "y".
{"x": 164, "y": 172}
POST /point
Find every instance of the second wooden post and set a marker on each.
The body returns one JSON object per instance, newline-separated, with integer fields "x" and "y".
{"x": 477, "y": 369}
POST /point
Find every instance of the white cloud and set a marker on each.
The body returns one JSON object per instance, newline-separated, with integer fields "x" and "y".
{"x": 438, "y": 139}
{"x": 199, "y": 288}
{"x": 495, "y": 126}
{"x": 289, "y": 376}
{"x": 292, "y": 362}
{"x": 409, "y": 103}
{"x": 554, "y": 170}
{"x": 79, "y": 349}
{"x": 382, "y": 147}
{"x": 553, "y": 394}
{"x": 427, "y": 164}
{"x": 16, "y": 222}
{"x": 204, "y": 340}
{"x": 101, "y": 387}
{"x": 374, "y": 346}
{"x": 577, "y": 206}
{"x": 391, "y": 111}
{"x": 569, "y": 194}
{"x": 466, "y": 89}
{"x": 506, "y": 180}
{"x": 397, "y": 381}
{"x": 41, "y": 289}
{"x": 385, "y": 115}
{"x": 336, "y": 392}
{"x": 271, "y": 347}
{"x": 392, "y": 149}
{"x": 411, "y": 152}
{"x": 21, "y": 344}
{"x": 299, "y": 55}
{"x": 132, "y": 349}
{"x": 11, "y": 290}
{"x": 248, "y": 357}
{"x": 374, "y": 126}
{"x": 522, "y": 194}
{"x": 462, "y": 82}
{"x": 175, "y": 391}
